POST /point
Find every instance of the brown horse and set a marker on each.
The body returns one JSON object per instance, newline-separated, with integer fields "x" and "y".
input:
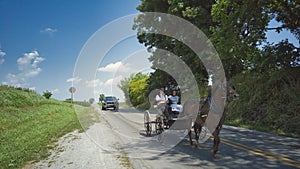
{"x": 210, "y": 104}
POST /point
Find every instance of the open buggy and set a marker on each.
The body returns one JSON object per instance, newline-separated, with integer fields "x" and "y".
{"x": 165, "y": 120}
{"x": 212, "y": 106}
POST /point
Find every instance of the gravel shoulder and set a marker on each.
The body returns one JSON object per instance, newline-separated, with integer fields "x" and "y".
{"x": 77, "y": 150}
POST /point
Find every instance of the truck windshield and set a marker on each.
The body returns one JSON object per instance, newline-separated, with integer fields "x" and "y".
{"x": 109, "y": 98}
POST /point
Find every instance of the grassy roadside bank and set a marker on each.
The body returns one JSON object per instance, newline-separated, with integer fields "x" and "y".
{"x": 268, "y": 103}
{"x": 31, "y": 124}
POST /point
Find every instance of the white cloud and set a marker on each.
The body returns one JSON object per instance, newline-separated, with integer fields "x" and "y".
{"x": 27, "y": 57}
{"x": 55, "y": 91}
{"x": 49, "y": 30}
{"x": 32, "y": 88}
{"x": 12, "y": 79}
{"x": 29, "y": 61}
{"x": 93, "y": 83}
{"x": 113, "y": 81}
{"x": 109, "y": 82}
{"x": 28, "y": 67}
{"x": 2, "y": 54}
{"x": 113, "y": 67}
{"x": 74, "y": 80}
{"x": 37, "y": 60}
{"x": 33, "y": 72}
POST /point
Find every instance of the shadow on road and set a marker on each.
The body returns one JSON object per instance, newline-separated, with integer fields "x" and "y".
{"x": 227, "y": 157}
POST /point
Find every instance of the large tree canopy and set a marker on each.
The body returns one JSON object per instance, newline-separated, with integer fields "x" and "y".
{"x": 240, "y": 35}
{"x": 236, "y": 28}
{"x": 266, "y": 73}
{"x": 197, "y": 12}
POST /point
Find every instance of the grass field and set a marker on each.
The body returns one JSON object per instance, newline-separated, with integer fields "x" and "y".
{"x": 30, "y": 125}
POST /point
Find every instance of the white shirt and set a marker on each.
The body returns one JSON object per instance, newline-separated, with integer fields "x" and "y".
{"x": 161, "y": 98}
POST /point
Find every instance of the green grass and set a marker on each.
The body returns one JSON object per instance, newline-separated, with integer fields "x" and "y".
{"x": 123, "y": 105}
{"x": 123, "y": 158}
{"x": 31, "y": 124}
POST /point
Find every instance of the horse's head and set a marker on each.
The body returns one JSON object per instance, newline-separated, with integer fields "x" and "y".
{"x": 231, "y": 92}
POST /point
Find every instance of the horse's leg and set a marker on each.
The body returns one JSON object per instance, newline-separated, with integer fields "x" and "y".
{"x": 197, "y": 129}
{"x": 216, "y": 134}
{"x": 216, "y": 141}
{"x": 190, "y": 136}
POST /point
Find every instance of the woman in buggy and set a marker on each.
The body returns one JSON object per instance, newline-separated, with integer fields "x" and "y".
{"x": 174, "y": 102}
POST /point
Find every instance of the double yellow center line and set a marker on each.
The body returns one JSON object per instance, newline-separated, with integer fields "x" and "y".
{"x": 272, "y": 156}
{"x": 266, "y": 154}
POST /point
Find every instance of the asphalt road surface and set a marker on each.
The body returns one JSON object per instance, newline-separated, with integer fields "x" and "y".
{"x": 119, "y": 141}
{"x": 239, "y": 148}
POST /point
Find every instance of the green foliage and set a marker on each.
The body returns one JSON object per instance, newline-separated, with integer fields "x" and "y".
{"x": 288, "y": 14}
{"x": 240, "y": 35}
{"x": 240, "y": 30}
{"x": 197, "y": 12}
{"x": 159, "y": 79}
{"x": 124, "y": 86}
{"x": 277, "y": 57}
{"x": 47, "y": 94}
{"x": 137, "y": 89}
{"x": 18, "y": 97}
{"x": 81, "y": 103}
{"x": 265, "y": 73}
{"x": 30, "y": 124}
{"x": 101, "y": 97}
{"x": 267, "y": 102}
{"x": 91, "y": 100}
{"x": 236, "y": 28}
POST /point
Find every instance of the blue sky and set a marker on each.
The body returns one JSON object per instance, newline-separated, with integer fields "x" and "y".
{"x": 40, "y": 41}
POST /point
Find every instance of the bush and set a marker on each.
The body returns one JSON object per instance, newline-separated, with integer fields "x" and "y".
{"x": 81, "y": 103}
{"x": 267, "y": 102}
{"x": 47, "y": 94}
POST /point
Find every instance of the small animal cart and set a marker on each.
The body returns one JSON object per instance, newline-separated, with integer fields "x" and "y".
{"x": 161, "y": 122}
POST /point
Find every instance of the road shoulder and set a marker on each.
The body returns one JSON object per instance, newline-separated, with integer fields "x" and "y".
{"x": 78, "y": 150}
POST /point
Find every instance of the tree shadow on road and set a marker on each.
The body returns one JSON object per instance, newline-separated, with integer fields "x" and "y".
{"x": 227, "y": 157}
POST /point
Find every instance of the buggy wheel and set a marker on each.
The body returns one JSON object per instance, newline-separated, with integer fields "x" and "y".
{"x": 148, "y": 128}
{"x": 147, "y": 123}
{"x": 159, "y": 126}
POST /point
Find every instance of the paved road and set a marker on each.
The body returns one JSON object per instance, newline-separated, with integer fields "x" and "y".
{"x": 239, "y": 148}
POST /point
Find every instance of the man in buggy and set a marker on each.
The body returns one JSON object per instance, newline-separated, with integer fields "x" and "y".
{"x": 162, "y": 100}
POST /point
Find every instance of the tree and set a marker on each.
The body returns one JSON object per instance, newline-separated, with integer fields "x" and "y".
{"x": 197, "y": 12}
{"x": 236, "y": 28}
{"x": 101, "y": 98}
{"x": 287, "y": 13}
{"x": 137, "y": 89}
{"x": 47, "y": 94}
{"x": 124, "y": 86}
{"x": 91, "y": 100}
{"x": 240, "y": 36}
{"x": 269, "y": 70}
